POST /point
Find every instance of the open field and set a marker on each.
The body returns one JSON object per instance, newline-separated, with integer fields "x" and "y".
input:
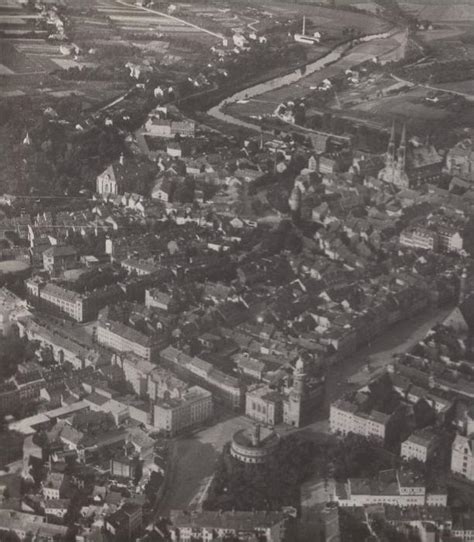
{"x": 459, "y": 86}
{"x": 406, "y": 105}
{"x": 445, "y": 12}
{"x": 266, "y": 103}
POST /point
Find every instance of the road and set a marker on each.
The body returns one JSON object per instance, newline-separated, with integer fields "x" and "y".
{"x": 402, "y": 337}
{"x": 468, "y": 95}
{"x": 196, "y": 456}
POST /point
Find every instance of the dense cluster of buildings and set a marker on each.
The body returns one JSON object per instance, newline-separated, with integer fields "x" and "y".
{"x": 192, "y": 283}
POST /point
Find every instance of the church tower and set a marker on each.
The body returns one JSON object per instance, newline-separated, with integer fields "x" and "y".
{"x": 402, "y": 150}
{"x": 390, "y": 156}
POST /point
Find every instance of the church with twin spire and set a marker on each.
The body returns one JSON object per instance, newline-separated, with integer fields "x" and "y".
{"x": 412, "y": 163}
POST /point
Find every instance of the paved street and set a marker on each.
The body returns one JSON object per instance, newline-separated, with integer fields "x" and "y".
{"x": 195, "y": 456}
{"x": 401, "y": 338}
{"x": 195, "y": 461}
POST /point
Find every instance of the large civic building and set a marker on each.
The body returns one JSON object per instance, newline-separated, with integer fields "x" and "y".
{"x": 254, "y": 445}
{"x": 294, "y": 405}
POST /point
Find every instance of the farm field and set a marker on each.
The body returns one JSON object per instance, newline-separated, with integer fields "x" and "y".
{"x": 407, "y": 104}
{"x": 445, "y": 12}
{"x": 332, "y": 20}
{"x": 459, "y": 86}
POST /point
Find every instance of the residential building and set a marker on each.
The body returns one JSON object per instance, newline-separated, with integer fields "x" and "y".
{"x": 57, "y": 507}
{"x": 12, "y": 307}
{"x": 463, "y": 526}
{"x": 22, "y": 524}
{"x": 139, "y": 267}
{"x": 59, "y": 258}
{"x": 136, "y": 371}
{"x": 450, "y": 239}
{"x": 195, "y": 406}
{"x": 169, "y": 128}
{"x": 124, "y": 467}
{"x": 163, "y": 384}
{"x": 345, "y": 417}
{"x": 419, "y": 238}
{"x": 80, "y": 307}
{"x": 123, "y": 338}
{"x": 126, "y": 522}
{"x": 391, "y": 487}
{"x": 462, "y": 456}
{"x": 63, "y": 347}
{"x": 270, "y": 526}
{"x": 420, "y": 445}
{"x": 460, "y": 159}
{"x": 154, "y": 297}
{"x": 55, "y": 486}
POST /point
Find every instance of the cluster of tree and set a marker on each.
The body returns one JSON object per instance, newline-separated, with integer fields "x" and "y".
{"x": 354, "y": 456}
{"x": 92, "y": 425}
{"x": 13, "y": 351}
{"x": 98, "y": 278}
{"x": 389, "y": 533}
{"x": 268, "y": 486}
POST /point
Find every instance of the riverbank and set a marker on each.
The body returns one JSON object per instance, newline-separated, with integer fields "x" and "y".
{"x": 338, "y": 59}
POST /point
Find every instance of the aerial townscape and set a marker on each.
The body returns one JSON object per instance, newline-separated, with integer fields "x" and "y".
{"x": 237, "y": 271}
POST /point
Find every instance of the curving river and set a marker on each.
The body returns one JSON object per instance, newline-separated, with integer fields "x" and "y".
{"x": 294, "y": 76}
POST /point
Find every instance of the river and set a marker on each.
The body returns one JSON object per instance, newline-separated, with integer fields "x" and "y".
{"x": 290, "y": 78}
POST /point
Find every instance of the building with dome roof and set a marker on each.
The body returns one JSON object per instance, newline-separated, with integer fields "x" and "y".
{"x": 255, "y": 445}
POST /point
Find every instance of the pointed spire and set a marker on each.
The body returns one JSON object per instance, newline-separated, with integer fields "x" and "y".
{"x": 391, "y": 146}
{"x": 27, "y": 139}
{"x": 402, "y": 149}
{"x": 403, "y": 140}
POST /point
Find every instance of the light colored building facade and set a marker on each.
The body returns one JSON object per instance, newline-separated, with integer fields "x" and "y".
{"x": 462, "y": 456}
{"x": 345, "y": 418}
{"x": 395, "y": 488}
{"x": 419, "y": 238}
{"x": 122, "y": 338}
{"x": 176, "y": 415}
{"x": 207, "y": 525}
{"x": 420, "y": 445}
{"x": 264, "y": 405}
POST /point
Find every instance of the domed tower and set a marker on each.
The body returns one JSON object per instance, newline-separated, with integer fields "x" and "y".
{"x": 293, "y": 407}
{"x": 299, "y": 377}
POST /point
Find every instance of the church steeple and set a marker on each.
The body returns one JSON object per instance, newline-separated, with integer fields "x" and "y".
{"x": 402, "y": 149}
{"x": 391, "y": 146}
